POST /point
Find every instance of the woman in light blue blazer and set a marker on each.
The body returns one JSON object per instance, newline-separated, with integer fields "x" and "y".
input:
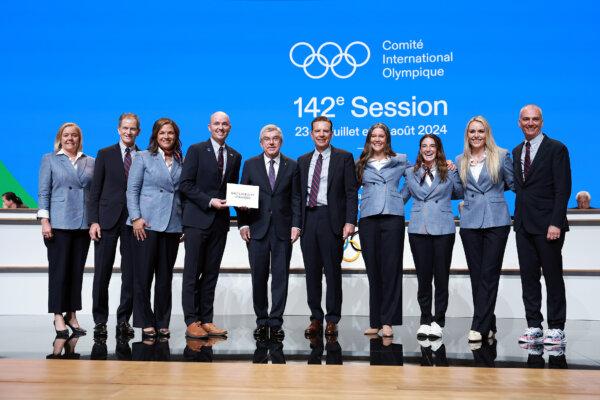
{"x": 431, "y": 230}
{"x": 154, "y": 206}
{"x": 381, "y": 226}
{"x": 486, "y": 171}
{"x": 64, "y": 185}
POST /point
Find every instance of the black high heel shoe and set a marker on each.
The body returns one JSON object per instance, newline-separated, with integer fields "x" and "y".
{"x": 79, "y": 331}
{"x": 63, "y": 334}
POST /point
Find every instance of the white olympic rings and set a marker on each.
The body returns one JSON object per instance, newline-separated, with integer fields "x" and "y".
{"x": 327, "y": 64}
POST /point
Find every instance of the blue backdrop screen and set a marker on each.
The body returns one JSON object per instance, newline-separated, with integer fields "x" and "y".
{"x": 418, "y": 67}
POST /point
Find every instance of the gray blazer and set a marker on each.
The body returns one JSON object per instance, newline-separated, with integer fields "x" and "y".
{"x": 431, "y": 213}
{"x": 64, "y": 191}
{"x": 380, "y": 188}
{"x": 484, "y": 204}
{"x": 153, "y": 192}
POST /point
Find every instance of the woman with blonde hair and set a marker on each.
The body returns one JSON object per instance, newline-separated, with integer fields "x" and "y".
{"x": 486, "y": 171}
{"x": 64, "y": 185}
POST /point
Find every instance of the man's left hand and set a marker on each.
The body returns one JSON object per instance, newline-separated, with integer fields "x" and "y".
{"x": 347, "y": 231}
{"x": 553, "y": 233}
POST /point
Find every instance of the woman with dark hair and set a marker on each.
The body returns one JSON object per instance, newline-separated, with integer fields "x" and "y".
{"x": 381, "y": 226}
{"x": 64, "y": 186}
{"x": 486, "y": 171}
{"x": 11, "y": 200}
{"x": 431, "y": 229}
{"x": 154, "y": 209}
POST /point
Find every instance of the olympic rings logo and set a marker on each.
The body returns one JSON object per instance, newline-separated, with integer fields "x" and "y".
{"x": 343, "y": 55}
{"x": 354, "y": 245}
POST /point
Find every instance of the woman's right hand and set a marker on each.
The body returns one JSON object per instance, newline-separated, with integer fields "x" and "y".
{"x": 46, "y": 228}
{"x": 139, "y": 229}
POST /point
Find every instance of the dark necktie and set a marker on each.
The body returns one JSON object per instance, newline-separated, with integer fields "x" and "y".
{"x": 427, "y": 173}
{"x": 127, "y": 161}
{"x": 272, "y": 173}
{"x": 220, "y": 163}
{"x": 316, "y": 180}
{"x": 527, "y": 163}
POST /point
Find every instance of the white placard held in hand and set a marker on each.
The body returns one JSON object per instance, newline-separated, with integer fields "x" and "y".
{"x": 242, "y": 195}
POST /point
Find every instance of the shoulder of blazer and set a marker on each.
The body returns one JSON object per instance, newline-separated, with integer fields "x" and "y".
{"x": 335, "y": 150}
{"x": 305, "y": 157}
{"x": 107, "y": 150}
{"x": 253, "y": 160}
{"x": 555, "y": 143}
{"x": 288, "y": 160}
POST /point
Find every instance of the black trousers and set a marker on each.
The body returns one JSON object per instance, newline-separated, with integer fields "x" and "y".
{"x": 382, "y": 244}
{"x": 432, "y": 255}
{"x": 537, "y": 255}
{"x": 322, "y": 250}
{"x": 104, "y": 259}
{"x": 154, "y": 257}
{"x": 203, "y": 254}
{"x": 270, "y": 250}
{"x": 484, "y": 251}
{"x": 67, "y": 252}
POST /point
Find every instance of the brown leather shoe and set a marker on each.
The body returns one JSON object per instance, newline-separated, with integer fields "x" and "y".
{"x": 331, "y": 329}
{"x": 212, "y": 330}
{"x": 314, "y": 329}
{"x": 196, "y": 344}
{"x": 195, "y": 331}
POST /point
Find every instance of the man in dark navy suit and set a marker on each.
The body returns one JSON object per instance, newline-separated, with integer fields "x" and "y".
{"x": 271, "y": 229}
{"x": 107, "y": 217}
{"x": 207, "y": 168}
{"x": 329, "y": 206}
{"x": 543, "y": 186}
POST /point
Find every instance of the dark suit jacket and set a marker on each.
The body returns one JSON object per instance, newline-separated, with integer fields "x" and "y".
{"x": 342, "y": 198}
{"x": 542, "y": 199}
{"x": 280, "y": 205}
{"x": 200, "y": 182}
{"x": 107, "y": 193}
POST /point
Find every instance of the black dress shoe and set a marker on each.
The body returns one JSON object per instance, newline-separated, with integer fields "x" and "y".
{"x": 100, "y": 329}
{"x": 261, "y": 332}
{"x": 124, "y": 329}
{"x": 277, "y": 333}
{"x": 149, "y": 335}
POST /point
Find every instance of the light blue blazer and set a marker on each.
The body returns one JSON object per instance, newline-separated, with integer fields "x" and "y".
{"x": 153, "y": 192}
{"x": 380, "y": 194}
{"x": 431, "y": 213}
{"x": 64, "y": 191}
{"x": 484, "y": 202}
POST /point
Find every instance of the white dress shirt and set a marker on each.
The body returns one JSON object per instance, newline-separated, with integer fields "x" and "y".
{"x": 476, "y": 166}
{"x": 216, "y": 147}
{"x": 168, "y": 164}
{"x": 131, "y": 150}
{"x": 378, "y": 164}
{"x": 535, "y": 145}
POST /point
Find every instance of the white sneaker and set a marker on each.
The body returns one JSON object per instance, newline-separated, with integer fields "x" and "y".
{"x": 436, "y": 344}
{"x": 435, "y": 330}
{"x": 474, "y": 336}
{"x": 423, "y": 330}
{"x": 424, "y": 342}
{"x": 555, "y": 337}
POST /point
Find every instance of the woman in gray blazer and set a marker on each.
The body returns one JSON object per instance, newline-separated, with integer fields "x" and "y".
{"x": 486, "y": 171}
{"x": 154, "y": 206}
{"x": 431, "y": 229}
{"x": 381, "y": 226}
{"x": 64, "y": 185}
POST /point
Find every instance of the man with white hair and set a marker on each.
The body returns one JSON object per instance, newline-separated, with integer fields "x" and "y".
{"x": 583, "y": 200}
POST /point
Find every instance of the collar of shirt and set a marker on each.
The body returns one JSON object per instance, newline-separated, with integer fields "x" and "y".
{"x": 79, "y": 155}
{"x": 162, "y": 154}
{"x": 123, "y": 147}
{"x": 473, "y": 161}
{"x": 326, "y": 153}
{"x": 378, "y": 164}
{"x": 216, "y": 146}
{"x": 267, "y": 160}
{"x": 536, "y": 140}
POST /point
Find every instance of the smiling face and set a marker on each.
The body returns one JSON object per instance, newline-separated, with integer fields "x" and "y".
{"x": 219, "y": 127}
{"x": 531, "y": 121}
{"x": 70, "y": 140}
{"x": 321, "y": 135}
{"x": 428, "y": 151}
{"x": 6, "y": 203}
{"x": 378, "y": 140}
{"x": 476, "y": 134}
{"x": 128, "y": 131}
{"x": 166, "y": 138}
{"x": 271, "y": 142}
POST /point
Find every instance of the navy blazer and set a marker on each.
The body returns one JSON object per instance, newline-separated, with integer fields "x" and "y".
{"x": 380, "y": 188}
{"x": 342, "y": 198}
{"x": 153, "y": 192}
{"x": 542, "y": 199}
{"x": 431, "y": 213}
{"x": 279, "y": 206}
{"x": 64, "y": 190}
{"x": 200, "y": 182}
{"x": 484, "y": 202}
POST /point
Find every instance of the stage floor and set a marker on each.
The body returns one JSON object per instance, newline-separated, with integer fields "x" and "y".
{"x": 32, "y": 337}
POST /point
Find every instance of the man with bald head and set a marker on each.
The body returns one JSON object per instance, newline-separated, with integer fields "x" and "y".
{"x": 543, "y": 186}
{"x": 207, "y": 168}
